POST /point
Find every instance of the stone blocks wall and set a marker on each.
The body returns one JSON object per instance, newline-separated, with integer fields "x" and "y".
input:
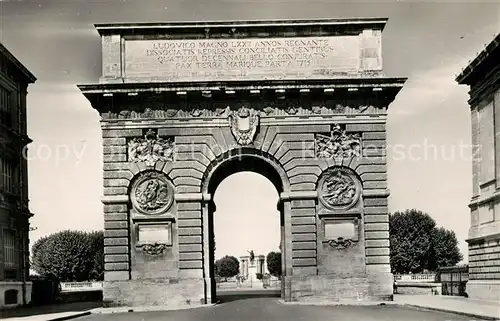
{"x": 484, "y": 256}
{"x": 151, "y": 292}
{"x": 339, "y": 287}
{"x": 291, "y": 148}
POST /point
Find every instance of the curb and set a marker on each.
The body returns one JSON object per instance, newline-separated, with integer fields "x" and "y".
{"x": 337, "y": 303}
{"x": 393, "y": 303}
{"x": 146, "y": 309}
{"x": 467, "y": 314}
{"x": 73, "y": 316}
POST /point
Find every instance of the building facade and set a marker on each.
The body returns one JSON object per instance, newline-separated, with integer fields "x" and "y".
{"x": 14, "y": 211}
{"x": 483, "y": 77}
{"x": 186, "y": 104}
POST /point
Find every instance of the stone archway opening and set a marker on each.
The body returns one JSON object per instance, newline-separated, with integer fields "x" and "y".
{"x": 230, "y": 178}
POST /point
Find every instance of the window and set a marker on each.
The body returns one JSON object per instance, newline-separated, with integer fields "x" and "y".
{"x": 11, "y": 257}
{"x": 5, "y": 107}
{"x": 9, "y": 246}
{"x": 6, "y": 175}
{"x": 10, "y": 297}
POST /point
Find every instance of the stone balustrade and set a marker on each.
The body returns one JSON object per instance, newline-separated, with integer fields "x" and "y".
{"x": 423, "y": 277}
{"x": 81, "y": 286}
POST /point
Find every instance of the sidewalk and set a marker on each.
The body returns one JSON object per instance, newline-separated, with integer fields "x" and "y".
{"x": 469, "y": 307}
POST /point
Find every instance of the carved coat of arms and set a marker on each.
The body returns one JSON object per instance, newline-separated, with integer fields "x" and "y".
{"x": 244, "y": 123}
{"x": 338, "y": 144}
{"x": 150, "y": 149}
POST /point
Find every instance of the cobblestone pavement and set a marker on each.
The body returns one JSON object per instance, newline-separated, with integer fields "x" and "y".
{"x": 268, "y": 308}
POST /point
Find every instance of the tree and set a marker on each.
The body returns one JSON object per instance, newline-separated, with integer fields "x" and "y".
{"x": 69, "y": 256}
{"x": 445, "y": 251}
{"x": 227, "y": 267}
{"x": 413, "y": 243}
{"x": 273, "y": 260}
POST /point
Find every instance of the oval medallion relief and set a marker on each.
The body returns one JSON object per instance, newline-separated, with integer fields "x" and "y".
{"x": 151, "y": 193}
{"x": 339, "y": 188}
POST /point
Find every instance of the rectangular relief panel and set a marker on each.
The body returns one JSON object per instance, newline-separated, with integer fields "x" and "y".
{"x": 242, "y": 59}
{"x": 151, "y": 233}
{"x": 335, "y": 229}
{"x": 150, "y": 230}
{"x": 340, "y": 230}
{"x": 487, "y": 144}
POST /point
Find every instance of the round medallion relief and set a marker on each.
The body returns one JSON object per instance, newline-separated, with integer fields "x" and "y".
{"x": 151, "y": 193}
{"x": 339, "y": 189}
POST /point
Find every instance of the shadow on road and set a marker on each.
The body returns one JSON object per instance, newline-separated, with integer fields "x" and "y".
{"x": 230, "y": 296}
{"x": 48, "y": 309}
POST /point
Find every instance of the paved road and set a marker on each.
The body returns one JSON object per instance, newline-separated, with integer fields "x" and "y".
{"x": 269, "y": 309}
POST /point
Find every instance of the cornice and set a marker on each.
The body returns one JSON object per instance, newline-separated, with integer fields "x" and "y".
{"x": 359, "y": 23}
{"x": 19, "y": 66}
{"x": 16, "y": 137}
{"x": 248, "y": 86}
{"x": 488, "y": 86}
{"x": 478, "y": 62}
{"x": 330, "y": 96}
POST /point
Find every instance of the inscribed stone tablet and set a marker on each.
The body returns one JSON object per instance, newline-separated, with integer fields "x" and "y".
{"x": 242, "y": 59}
{"x": 334, "y": 230}
{"x": 154, "y": 234}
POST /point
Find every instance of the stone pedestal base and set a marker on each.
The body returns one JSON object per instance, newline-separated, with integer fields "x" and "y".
{"x": 377, "y": 287}
{"x": 488, "y": 290}
{"x": 154, "y": 292}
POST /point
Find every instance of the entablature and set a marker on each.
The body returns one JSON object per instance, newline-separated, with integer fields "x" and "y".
{"x": 487, "y": 87}
{"x": 272, "y": 98}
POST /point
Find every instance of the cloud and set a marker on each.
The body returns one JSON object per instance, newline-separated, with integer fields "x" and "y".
{"x": 427, "y": 89}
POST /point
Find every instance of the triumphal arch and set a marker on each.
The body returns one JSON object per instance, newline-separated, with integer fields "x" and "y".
{"x": 184, "y": 105}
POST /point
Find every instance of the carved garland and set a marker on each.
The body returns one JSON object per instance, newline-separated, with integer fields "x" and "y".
{"x": 341, "y": 243}
{"x": 154, "y": 249}
{"x": 150, "y": 149}
{"x": 338, "y": 145}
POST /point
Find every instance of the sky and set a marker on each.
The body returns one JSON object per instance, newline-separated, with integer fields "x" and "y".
{"x": 429, "y": 42}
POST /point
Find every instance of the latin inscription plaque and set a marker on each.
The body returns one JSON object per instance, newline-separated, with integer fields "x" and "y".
{"x": 242, "y": 59}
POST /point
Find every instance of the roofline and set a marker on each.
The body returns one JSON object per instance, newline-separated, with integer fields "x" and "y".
{"x": 31, "y": 78}
{"x": 380, "y": 22}
{"x": 480, "y": 58}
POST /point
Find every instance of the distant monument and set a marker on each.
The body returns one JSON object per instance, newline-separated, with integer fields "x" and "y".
{"x": 251, "y": 265}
